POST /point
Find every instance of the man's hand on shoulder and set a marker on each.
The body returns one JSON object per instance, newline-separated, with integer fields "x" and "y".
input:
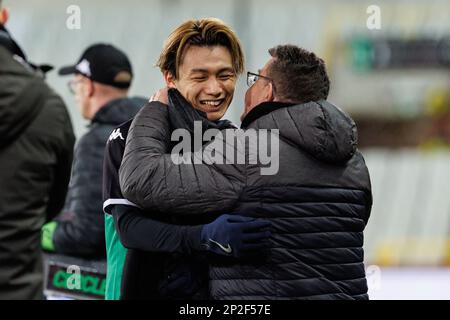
{"x": 161, "y": 96}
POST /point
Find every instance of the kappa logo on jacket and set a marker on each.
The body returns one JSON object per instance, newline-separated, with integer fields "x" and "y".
{"x": 116, "y": 134}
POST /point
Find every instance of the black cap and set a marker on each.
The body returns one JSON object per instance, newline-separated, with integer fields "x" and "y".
{"x": 103, "y": 63}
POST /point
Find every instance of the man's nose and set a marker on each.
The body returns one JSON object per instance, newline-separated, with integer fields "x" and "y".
{"x": 213, "y": 87}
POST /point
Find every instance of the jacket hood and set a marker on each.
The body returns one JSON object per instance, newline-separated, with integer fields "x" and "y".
{"x": 320, "y": 128}
{"x": 119, "y": 111}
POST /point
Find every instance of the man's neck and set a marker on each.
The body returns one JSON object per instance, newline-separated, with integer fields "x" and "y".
{"x": 99, "y": 102}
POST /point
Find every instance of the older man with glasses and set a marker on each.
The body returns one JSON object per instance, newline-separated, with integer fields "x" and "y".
{"x": 318, "y": 202}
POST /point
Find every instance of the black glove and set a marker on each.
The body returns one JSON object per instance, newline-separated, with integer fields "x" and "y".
{"x": 236, "y": 236}
{"x": 184, "y": 278}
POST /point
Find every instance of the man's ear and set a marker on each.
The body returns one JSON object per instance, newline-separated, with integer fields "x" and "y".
{"x": 169, "y": 79}
{"x": 91, "y": 88}
{"x": 4, "y": 16}
{"x": 270, "y": 92}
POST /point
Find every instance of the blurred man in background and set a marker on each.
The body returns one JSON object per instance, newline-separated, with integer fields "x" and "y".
{"x": 102, "y": 77}
{"x": 36, "y": 145}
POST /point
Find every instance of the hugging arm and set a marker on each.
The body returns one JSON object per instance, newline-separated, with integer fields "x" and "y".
{"x": 150, "y": 178}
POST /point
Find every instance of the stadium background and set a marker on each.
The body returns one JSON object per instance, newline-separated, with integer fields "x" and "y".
{"x": 394, "y": 81}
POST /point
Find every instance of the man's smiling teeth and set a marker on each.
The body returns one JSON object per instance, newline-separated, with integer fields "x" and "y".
{"x": 213, "y": 103}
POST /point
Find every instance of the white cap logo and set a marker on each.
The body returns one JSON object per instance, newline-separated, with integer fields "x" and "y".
{"x": 84, "y": 67}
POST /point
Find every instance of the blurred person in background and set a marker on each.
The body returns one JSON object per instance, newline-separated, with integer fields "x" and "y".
{"x": 101, "y": 80}
{"x": 36, "y": 147}
{"x": 318, "y": 201}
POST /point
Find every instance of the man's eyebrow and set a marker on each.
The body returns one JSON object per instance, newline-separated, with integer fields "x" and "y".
{"x": 226, "y": 69}
{"x": 199, "y": 70}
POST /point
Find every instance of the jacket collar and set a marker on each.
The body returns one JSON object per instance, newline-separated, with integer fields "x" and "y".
{"x": 8, "y": 42}
{"x": 183, "y": 115}
{"x": 261, "y": 110}
{"x": 118, "y": 111}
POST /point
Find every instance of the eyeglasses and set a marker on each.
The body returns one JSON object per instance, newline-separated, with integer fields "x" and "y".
{"x": 72, "y": 85}
{"x": 253, "y": 77}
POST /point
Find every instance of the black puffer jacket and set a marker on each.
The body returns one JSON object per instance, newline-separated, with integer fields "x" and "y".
{"x": 36, "y": 147}
{"x": 80, "y": 229}
{"x": 319, "y": 201}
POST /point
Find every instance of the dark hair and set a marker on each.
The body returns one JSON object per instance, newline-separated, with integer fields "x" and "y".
{"x": 299, "y": 75}
{"x": 203, "y": 32}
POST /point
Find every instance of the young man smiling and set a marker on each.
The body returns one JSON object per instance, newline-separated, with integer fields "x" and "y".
{"x": 204, "y": 69}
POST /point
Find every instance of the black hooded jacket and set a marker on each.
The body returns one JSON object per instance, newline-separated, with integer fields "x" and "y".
{"x": 80, "y": 230}
{"x": 36, "y": 146}
{"x": 318, "y": 202}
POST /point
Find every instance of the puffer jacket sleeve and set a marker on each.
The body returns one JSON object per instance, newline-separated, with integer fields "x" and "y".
{"x": 80, "y": 229}
{"x": 150, "y": 179}
{"x": 63, "y": 166}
